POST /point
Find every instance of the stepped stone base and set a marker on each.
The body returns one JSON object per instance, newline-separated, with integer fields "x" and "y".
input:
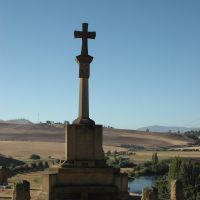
{"x": 84, "y": 175}
{"x": 85, "y": 184}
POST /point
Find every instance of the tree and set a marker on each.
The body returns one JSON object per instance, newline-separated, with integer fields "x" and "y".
{"x": 108, "y": 153}
{"x": 174, "y": 169}
{"x": 155, "y": 158}
{"x": 185, "y": 171}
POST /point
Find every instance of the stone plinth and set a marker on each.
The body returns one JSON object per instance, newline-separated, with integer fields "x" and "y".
{"x": 84, "y": 146}
{"x": 85, "y": 184}
{"x": 84, "y": 175}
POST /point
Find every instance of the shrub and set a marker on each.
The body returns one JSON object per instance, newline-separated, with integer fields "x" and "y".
{"x": 34, "y": 157}
{"x": 119, "y": 161}
{"x": 147, "y": 164}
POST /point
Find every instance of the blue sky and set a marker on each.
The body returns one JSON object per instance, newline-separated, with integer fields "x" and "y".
{"x": 146, "y": 67}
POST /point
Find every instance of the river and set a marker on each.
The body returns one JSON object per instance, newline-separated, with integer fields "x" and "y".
{"x": 136, "y": 185}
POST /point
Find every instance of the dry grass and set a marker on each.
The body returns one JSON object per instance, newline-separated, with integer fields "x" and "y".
{"x": 147, "y": 140}
{"x": 194, "y": 147}
{"x": 142, "y": 156}
{"x": 22, "y": 150}
{"x": 35, "y": 179}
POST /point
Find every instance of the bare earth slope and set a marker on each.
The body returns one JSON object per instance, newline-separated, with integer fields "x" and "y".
{"x": 112, "y": 137}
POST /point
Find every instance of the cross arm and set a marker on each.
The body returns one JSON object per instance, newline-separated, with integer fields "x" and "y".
{"x": 78, "y": 34}
{"x": 91, "y": 35}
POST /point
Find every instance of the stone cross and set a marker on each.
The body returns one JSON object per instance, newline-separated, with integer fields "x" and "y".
{"x": 85, "y": 35}
{"x": 84, "y": 61}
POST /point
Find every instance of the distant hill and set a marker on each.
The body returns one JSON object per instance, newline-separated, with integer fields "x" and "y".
{"x": 111, "y": 136}
{"x": 16, "y": 121}
{"x": 166, "y": 129}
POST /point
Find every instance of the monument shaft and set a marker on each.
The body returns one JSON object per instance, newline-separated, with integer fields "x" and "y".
{"x": 83, "y": 99}
{"x": 84, "y": 61}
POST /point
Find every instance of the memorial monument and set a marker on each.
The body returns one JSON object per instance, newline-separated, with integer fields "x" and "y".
{"x": 84, "y": 174}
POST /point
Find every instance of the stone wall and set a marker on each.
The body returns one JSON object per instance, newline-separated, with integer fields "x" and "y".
{"x": 149, "y": 193}
{"x": 176, "y": 190}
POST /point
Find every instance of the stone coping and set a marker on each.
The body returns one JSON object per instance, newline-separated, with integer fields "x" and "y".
{"x": 89, "y": 125}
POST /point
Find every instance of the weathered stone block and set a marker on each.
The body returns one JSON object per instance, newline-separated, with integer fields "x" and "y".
{"x": 84, "y": 70}
{"x": 84, "y": 145}
{"x": 22, "y": 191}
{"x": 149, "y": 193}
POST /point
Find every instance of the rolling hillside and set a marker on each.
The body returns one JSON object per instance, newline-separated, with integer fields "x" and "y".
{"x": 112, "y": 137}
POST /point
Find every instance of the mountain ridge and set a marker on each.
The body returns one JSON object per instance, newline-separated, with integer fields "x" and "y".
{"x": 167, "y": 129}
{"x": 17, "y": 121}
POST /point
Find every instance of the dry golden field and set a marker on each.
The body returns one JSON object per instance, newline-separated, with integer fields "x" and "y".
{"x": 22, "y": 140}
{"x": 142, "y": 156}
{"x": 35, "y": 179}
{"x": 111, "y": 136}
{"x": 23, "y": 149}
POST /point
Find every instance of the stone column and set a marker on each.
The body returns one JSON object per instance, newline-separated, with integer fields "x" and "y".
{"x": 149, "y": 193}
{"x": 176, "y": 190}
{"x": 84, "y": 74}
{"x": 83, "y": 99}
